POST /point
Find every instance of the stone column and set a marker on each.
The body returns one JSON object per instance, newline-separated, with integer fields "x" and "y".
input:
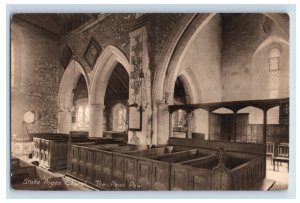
{"x": 233, "y": 138}
{"x": 96, "y": 120}
{"x": 189, "y": 125}
{"x": 265, "y": 139}
{"x": 64, "y": 121}
{"x": 154, "y": 123}
{"x": 162, "y": 122}
{"x": 170, "y": 124}
{"x": 209, "y": 124}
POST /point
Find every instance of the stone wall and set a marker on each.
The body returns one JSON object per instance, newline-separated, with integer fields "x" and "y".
{"x": 41, "y": 74}
{"x": 242, "y": 35}
{"x": 114, "y": 30}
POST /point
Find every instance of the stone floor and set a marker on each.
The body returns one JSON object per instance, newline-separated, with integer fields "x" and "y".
{"x": 280, "y": 176}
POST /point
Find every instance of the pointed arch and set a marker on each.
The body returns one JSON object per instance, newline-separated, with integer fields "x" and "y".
{"x": 104, "y": 67}
{"x": 66, "y": 94}
{"x": 192, "y": 83}
{"x": 69, "y": 80}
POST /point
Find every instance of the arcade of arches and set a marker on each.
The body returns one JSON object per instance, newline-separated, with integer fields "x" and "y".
{"x": 152, "y": 77}
{"x": 196, "y": 58}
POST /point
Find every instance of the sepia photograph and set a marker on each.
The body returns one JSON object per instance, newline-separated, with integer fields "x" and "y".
{"x": 149, "y": 101}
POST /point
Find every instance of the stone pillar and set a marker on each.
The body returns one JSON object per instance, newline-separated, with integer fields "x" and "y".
{"x": 189, "y": 125}
{"x": 265, "y": 140}
{"x": 96, "y": 120}
{"x": 64, "y": 121}
{"x": 154, "y": 123}
{"x": 140, "y": 85}
{"x": 162, "y": 122}
{"x": 209, "y": 124}
{"x": 233, "y": 138}
{"x": 170, "y": 124}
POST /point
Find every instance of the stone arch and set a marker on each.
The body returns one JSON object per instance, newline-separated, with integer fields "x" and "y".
{"x": 104, "y": 67}
{"x": 193, "y": 86}
{"x": 69, "y": 80}
{"x": 173, "y": 49}
{"x": 168, "y": 70}
{"x": 66, "y": 93}
{"x": 186, "y": 40}
{"x": 168, "y": 52}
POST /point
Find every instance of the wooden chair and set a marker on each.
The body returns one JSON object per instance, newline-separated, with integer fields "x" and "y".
{"x": 281, "y": 155}
{"x": 270, "y": 150}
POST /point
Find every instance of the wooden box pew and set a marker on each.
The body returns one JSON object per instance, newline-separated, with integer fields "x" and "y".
{"x": 92, "y": 163}
{"x": 53, "y": 150}
{"x": 128, "y": 175}
{"x": 81, "y": 155}
{"x": 152, "y": 173}
{"x": 87, "y": 141}
{"x": 132, "y": 170}
{"x": 185, "y": 176}
{"x": 161, "y": 166}
{"x": 238, "y": 172}
{"x": 50, "y": 150}
{"x": 54, "y": 154}
{"x": 39, "y": 143}
{"x": 238, "y": 177}
{"x": 87, "y": 159}
{"x": 119, "y": 160}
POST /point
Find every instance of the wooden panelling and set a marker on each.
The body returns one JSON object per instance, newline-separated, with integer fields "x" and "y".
{"x": 112, "y": 167}
{"x": 118, "y": 172}
{"x": 97, "y": 167}
{"x": 160, "y": 175}
{"x": 74, "y": 163}
{"x": 179, "y": 177}
{"x": 144, "y": 174}
{"x": 199, "y": 179}
{"x": 89, "y": 166}
{"x": 130, "y": 173}
{"x": 106, "y": 173}
{"x": 54, "y": 151}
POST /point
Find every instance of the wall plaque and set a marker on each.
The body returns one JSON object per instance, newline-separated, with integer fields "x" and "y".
{"x": 135, "y": 118}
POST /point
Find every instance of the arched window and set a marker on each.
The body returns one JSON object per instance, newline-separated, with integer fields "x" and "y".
{"x": 274, "y": 73}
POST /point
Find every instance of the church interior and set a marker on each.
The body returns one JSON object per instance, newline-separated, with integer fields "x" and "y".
{"x": 149, "y": 101}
